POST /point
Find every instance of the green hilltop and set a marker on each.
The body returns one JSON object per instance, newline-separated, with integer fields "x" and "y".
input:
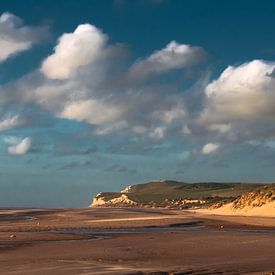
{"x": 158, "y": 191}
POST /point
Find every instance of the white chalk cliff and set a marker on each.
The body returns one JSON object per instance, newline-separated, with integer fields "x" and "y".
{"x": 100, "y": 200}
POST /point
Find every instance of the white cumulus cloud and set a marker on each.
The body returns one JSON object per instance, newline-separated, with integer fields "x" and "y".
{"x": 20, "y": 148}
{"x": 15, "y": 37}
{"x": 173, "y": 56}
{"x": 210, "y": 148}
{"x": 240, "y": 103}
{"x": 176, "y": 112}
{"x": 243, "y": 92}
{"x": 91, "y": 111}
{"x": 9, "y": 122}
{"x": 158, "y": 133}
{"x": 74, "y": 50}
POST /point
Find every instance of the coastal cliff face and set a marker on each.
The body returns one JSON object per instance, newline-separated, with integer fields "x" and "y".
{"x": 122, "y": 200}
{"x": 172, "y": 194}
{"x": 98, "y": 200}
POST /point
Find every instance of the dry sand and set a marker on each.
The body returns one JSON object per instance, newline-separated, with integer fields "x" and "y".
{"x": 84, "y": 241}
{"x": 266, "y": 210}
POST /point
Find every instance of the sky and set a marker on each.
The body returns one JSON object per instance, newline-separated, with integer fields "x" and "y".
{"x": 99, "y": 95}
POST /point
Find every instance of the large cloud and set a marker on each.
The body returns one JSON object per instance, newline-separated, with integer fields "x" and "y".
{"x": 74, "y": 50}
{"x": 243, "y": 92}
{"x": 241, "y": 101}
{"x": 15, "y": 37}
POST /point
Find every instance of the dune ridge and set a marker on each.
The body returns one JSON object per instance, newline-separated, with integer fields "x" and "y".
{"x": 259, "y": 202}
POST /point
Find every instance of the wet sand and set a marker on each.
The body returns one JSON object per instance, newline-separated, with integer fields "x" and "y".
{"x": 133, "y": 241}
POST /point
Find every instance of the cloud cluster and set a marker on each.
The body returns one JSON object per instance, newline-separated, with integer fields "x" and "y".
{"x": 88, "y": 79}
{"x": 15, "y": 37}
{"x": 78, "y": 81}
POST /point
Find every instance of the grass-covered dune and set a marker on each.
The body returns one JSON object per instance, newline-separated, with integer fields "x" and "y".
{"x": 256, "y": 198}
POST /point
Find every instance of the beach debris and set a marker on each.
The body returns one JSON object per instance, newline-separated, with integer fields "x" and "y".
{"x": 12, "y": 236}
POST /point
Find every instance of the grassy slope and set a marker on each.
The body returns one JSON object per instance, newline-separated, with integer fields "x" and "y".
{"x": 158, "y": 191}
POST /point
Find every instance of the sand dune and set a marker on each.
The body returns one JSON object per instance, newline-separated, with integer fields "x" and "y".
{"x": 266, "y": 210}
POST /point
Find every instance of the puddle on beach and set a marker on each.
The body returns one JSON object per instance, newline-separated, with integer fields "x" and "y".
{"x": 98, "y": 234}
{"x": 136, "y": 230}
{"x": 6, "y": 219}
{"x": 187, "y": 227}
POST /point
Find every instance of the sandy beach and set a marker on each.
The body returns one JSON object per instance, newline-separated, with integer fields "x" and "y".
{"x": 266, "y": 210}
{"x": 137, "y": 137}
{"x": 133, "y": 241}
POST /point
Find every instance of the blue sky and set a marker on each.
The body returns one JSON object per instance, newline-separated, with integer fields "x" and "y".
{"x": 97, "y": 95}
